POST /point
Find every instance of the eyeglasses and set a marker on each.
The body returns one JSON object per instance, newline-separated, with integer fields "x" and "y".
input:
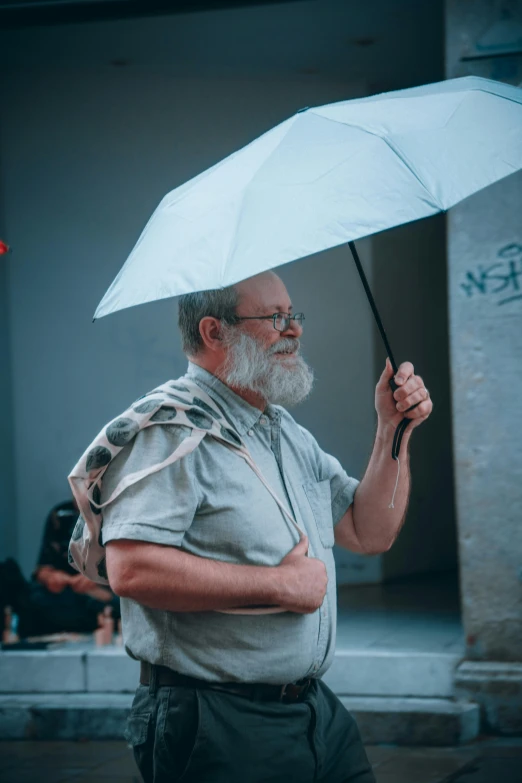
{"x": 281, "y": 320}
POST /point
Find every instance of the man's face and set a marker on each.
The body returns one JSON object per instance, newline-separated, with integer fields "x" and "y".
{"x": 258, "y": 357}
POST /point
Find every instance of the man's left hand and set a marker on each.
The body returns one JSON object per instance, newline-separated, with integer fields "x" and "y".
{"x": 392, "y": 407}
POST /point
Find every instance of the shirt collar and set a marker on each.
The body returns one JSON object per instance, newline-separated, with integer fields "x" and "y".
{"x": 241, "y": 414}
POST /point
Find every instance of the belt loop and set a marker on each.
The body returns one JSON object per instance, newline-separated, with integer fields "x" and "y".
{"x": 153, "y": 681}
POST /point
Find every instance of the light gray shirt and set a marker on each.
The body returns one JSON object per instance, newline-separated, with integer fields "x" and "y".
{"x": 210, "y": 503}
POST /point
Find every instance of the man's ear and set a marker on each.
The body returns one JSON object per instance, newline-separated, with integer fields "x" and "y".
{"x": 210, "y": 330}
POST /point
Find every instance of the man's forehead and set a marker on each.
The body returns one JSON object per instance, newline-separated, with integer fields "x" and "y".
{"x": 266, "y": 290}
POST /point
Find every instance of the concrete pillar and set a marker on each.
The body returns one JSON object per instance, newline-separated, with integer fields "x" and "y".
{"x": 485, "y": 291}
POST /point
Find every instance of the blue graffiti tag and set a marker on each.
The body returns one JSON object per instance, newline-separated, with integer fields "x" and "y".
{"x": 504, "y": 276}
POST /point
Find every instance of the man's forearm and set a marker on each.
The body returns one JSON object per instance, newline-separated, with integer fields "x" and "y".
{"x": 376, "y": 525}
{"x": 163, "y": 577}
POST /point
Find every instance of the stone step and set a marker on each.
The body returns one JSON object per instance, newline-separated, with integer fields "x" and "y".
{"x": 496, "y": 686}
{"x": 354, "y": 672}
{"x": 392, "y": 673}
{"x": 76, "y": 716}
{"x": 74, "y": 668}
{"x": 413, "y": 721}
{"x": 63, "y": 716}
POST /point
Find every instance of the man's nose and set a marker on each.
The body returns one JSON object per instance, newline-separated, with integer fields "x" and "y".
{"x": 294, "y": 329}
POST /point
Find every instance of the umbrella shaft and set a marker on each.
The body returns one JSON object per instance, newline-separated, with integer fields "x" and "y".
{"x": 373, "y": 305}
{"x": 399, "y": 432}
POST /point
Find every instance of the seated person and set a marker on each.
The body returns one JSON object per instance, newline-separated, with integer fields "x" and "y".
{"x": 58, "y": 598}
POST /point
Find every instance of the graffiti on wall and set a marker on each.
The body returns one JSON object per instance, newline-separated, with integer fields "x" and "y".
{"x": 501, "y": 281}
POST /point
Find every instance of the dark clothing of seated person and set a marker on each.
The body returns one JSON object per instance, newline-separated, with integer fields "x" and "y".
{"x": 58, "y": 598}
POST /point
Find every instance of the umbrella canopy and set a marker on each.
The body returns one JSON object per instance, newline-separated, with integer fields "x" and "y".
{"x": 326, "y": 176}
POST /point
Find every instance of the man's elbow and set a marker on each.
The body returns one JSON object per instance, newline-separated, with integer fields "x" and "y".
{"x": 378, "y": 548}
{"x": 121, "y": 567}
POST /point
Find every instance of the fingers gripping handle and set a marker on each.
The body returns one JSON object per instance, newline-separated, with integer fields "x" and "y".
{"x": 401, "y": 427}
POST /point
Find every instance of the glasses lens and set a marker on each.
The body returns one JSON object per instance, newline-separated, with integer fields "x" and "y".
{"x": 281, "y": 322}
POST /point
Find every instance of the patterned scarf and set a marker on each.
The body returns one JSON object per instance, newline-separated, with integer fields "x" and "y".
{"x": 181, "y": 403}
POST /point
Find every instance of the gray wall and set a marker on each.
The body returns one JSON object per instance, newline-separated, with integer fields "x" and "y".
{"x": 8, "y": 528}
{"x": 486, "y": 358}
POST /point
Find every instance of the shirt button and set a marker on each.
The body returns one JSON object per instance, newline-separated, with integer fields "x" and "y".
{"x": 263, "y": 420}
{"x": 251, "y": 432}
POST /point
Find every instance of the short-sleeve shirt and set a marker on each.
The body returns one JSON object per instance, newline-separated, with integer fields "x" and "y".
{"x": 210, "y": 503}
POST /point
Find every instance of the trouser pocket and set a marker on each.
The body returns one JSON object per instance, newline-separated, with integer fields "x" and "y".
{"x": 139, "y": 735}
{"x": 178, "y": 737}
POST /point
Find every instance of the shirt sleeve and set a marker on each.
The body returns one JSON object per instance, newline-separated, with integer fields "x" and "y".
{"x": 159, "y": 508}
{"x": 342, "y": 486}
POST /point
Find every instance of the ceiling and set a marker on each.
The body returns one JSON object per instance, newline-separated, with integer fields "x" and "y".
{"x": 25, "y": 13}
{"x": 380, "y": 43}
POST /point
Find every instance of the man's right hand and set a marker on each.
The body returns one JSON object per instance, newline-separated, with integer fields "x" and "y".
{"x": 303, "y": 580}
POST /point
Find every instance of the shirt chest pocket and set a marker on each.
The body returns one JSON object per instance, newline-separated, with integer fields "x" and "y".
{"x": 320, "y": 499}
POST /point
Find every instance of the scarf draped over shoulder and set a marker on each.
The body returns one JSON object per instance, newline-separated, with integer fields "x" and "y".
{"x": 181, "y": 403}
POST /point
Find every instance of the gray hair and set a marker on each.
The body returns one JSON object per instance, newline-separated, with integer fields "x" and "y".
{"x": 220, "y": 303}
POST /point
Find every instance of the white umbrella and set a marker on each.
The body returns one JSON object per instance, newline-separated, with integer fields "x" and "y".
{"x": 326, "y": 176}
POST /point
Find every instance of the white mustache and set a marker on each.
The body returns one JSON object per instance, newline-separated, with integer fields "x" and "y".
{"x": 286, "y": 344}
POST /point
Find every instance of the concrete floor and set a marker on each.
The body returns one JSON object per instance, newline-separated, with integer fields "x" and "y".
{"x": 488, "y": 761}
{"x": 419, "y": 614}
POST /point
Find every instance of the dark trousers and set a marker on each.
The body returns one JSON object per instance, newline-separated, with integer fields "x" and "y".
{"x": 188, "y": 735}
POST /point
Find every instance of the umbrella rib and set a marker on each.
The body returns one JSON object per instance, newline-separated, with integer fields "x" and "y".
{"x": 232, "y": 243}
{"x": 233, "y": 237}
{"x": 197, "y": 178}
{"x": 504, "y": 97}
{"x": 410, "y": 168}
{"x": 393, "y": 148}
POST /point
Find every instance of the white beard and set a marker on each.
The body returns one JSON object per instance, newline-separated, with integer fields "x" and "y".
{"x": 251, "y": 367}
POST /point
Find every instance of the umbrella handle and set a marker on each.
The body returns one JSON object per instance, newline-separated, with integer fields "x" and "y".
{"x": 397, "y": 438}
{"x": 401, "y": 427}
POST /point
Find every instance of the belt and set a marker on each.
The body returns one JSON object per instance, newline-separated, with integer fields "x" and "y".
{"x": 288, "y": 694}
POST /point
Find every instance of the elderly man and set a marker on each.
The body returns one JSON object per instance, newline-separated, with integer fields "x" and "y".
{"x": 230, "y": 697}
